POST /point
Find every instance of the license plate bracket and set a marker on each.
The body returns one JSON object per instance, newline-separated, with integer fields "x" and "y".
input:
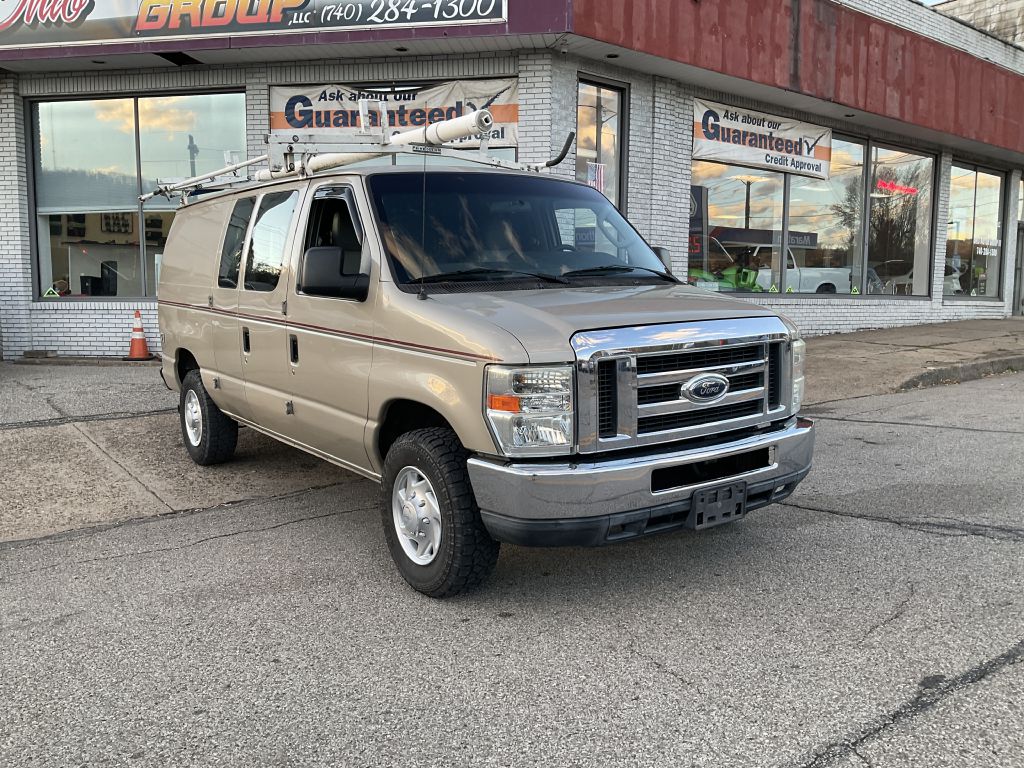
{"x": 717, "y": 505}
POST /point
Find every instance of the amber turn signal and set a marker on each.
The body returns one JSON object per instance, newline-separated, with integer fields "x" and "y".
{"x": 508, "y": 403}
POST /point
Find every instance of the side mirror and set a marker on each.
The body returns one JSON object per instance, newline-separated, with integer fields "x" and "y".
{"x": 321, "y": 275}
{"x": 664, "y": 256}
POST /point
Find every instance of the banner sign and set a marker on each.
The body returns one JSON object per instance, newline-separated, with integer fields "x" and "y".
{"x": 748, "y": 137}
{"x": 25, "y": 23}
{"x": 334, "y": 108}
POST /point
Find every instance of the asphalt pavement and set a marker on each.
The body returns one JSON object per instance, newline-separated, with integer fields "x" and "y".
{"x": 875, "y": 618}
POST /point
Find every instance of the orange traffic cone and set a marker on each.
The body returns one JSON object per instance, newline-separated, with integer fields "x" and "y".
{"x": 138, "y": 350}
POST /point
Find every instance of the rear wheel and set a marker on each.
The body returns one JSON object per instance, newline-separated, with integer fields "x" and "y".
{"x": 210, "y": 436}
{"x": 431, "y": 521}
{"x": 826, "y": 288}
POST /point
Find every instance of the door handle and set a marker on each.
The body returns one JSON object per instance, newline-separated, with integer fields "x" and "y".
{"x": 245, "y": 340}
{"x": 293, "y": 348}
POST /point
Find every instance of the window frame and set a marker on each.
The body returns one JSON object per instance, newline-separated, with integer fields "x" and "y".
{"x": 348, "y": 196}
{"x": 933, "y": 217}
{"x": 31, "y": 116}
{"x": 623, "y": 88}
{"x": 245, "y": 240}
{"x": 289, "y": 234}
{"x": 1004, "y": 191}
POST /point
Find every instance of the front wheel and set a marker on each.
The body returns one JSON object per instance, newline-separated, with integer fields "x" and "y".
{"x": 431, "y": 521}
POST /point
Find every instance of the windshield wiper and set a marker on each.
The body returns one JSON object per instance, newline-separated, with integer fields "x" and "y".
{"x": 479, "y": 272}
{"x": 610, "y": 269}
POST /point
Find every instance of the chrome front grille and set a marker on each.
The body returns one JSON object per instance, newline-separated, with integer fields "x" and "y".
{"x": 775, "y": 375}
{"x": 698, "y": 360}
{"x": 632, "y": 381}
{"x": 607, "y": 399}
{"x": 670, "y": 421}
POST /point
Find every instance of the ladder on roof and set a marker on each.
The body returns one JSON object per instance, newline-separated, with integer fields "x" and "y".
{"x": 298, "y": 155}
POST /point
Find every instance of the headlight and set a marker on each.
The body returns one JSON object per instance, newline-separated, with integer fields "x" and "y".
{"x": 798, "y": 349}
{"x": 530, "y": 409}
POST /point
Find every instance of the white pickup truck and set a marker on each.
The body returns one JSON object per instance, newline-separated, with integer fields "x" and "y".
{"x": 800, "y": 279}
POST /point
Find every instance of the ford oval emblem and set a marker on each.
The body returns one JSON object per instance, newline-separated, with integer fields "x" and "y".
{"x": 706, "y": 388}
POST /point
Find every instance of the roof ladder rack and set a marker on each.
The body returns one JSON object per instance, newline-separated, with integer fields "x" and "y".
{"x": 301, "y": 155}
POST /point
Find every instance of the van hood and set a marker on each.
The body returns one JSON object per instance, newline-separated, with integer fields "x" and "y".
{"x": 544, "y": 320}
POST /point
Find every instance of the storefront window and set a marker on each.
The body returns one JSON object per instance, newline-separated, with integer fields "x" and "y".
{"x": 735, "y": 228}
{"x": 974, "y": 236}
{"x": 825, "y": 225}
{"x": 94, "y": 239}
{"x": 900, "y": 222}
{"x": 599, "y": 138}
{"x": 737, "y": 216}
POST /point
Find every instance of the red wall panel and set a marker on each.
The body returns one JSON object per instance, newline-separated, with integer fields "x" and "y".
{"x": 823, "y": 50}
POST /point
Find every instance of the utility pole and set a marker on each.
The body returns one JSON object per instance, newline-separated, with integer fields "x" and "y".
{"x": 748, "y": 181}
{"x": 746, "y": 217}
{"x": 193, "y": 150}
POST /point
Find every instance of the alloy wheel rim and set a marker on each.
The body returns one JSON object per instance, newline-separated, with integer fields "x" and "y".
{"x": 417, "y": 516}
{"x": 193, "y": 417}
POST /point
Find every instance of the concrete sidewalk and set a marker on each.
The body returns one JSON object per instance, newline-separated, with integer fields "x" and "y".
{"x": 877, "y": 362}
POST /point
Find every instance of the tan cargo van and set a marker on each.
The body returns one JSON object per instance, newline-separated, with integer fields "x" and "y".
{"x": 500, "y": 350}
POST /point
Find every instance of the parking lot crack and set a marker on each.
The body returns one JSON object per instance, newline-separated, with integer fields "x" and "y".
{"x": 77, "y": 533}
{"x": 946, "y": 427}
{"x": 631, "y": 646}
{"x": 852, "y": 416}
{"x": 149, "y": 491}
{"x": 181, "y": 547}
{"x": 954, "y": 529}
{"x": 931, "y": 691}
{"x": 66, "y": 419}
{"x": 49, "y": 399}
{"x": 896, "y": 614}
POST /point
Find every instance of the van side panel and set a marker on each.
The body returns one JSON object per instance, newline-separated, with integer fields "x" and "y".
{"x": 188, "y": 269}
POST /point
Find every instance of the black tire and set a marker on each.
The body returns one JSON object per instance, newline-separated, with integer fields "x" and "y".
{"x": 826, "y": 288}
{"x": 467, "y": 554}
{"x": 218, "y": 434}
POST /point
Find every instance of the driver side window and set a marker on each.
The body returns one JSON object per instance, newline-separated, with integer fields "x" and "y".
{"x": 332, "y": 256}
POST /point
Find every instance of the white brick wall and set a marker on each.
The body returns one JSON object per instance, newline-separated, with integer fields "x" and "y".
{"x": 668, "y": 199}
{"x": 91, "y": 329}
{"x": 658, "y": 181}
{"x": 15, "y": 266}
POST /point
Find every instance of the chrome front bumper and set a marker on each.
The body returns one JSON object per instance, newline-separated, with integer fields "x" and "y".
{"x": 594, "y": 502}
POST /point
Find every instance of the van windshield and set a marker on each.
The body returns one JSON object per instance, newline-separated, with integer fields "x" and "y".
{"x": 519, "y": 231}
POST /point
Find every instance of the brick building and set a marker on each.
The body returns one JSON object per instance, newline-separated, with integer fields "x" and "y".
{"x": 895, "y": 202}
{"x": 1002, "y": 18}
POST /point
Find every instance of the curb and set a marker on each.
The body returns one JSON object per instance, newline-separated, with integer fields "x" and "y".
{"x": 102, "y": 361}
{"x": 959, "y": 373}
